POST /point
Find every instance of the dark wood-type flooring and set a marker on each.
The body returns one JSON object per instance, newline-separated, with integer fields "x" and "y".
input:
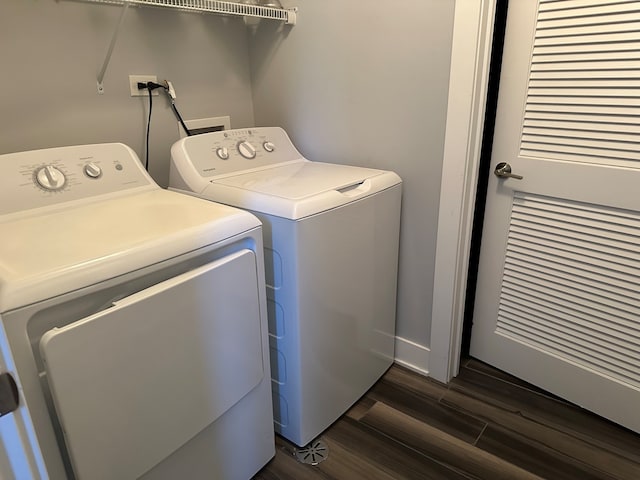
{"x": 484, "y": 425}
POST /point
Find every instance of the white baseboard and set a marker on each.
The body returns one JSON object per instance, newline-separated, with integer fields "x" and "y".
{"x": 412, "y": 355}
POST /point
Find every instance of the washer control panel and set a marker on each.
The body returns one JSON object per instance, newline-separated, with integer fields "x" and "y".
{"x": 231, "y": 151}
{"x": 51, "y": 176}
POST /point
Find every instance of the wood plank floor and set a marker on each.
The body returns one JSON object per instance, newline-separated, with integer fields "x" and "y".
{"x": 484, "y": 425}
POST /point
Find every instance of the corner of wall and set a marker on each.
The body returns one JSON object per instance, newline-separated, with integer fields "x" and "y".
{"x": 412, "y": 355}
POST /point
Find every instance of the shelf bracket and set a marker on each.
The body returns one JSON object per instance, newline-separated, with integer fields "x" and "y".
{"x": 292, "y": 16}
{"x": 114, "y": 38}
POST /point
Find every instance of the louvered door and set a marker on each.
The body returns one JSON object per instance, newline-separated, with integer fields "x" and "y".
{"x": 558, "y": 298}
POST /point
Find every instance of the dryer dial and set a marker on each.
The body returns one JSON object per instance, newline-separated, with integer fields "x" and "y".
{"x": 92, "y": 170}
{"x": 50, "y": 178}
{"x": 247, "y": 150}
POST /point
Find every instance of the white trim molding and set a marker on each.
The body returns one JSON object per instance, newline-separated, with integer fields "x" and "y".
{"x": 412, "y": 355}
{"x": 469, "y": 75}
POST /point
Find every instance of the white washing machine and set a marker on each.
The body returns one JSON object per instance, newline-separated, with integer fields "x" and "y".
{"x": 132, "y": 325}
{"x": 331, "y": 254}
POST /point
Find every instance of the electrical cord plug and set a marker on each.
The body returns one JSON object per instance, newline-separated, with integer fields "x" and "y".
{"x": 153, "y": 85}
{"x": 149, "y": 85}
{"x": 168, "y": 86}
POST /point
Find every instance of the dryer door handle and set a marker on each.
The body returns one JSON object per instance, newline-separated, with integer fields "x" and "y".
{"x": 9, "y": 398}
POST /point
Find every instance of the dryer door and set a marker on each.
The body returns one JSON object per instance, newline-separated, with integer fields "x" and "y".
{"x": 135, "y": 382}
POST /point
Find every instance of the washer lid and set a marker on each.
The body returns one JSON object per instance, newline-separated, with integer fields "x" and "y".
{"x": 48, "y": 254}
{"x": 300, "y": 189}
{"x": 300, "y": 180}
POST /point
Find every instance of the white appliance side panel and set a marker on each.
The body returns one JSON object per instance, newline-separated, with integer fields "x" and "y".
{"x": 335, "y": 335}
{"x": 348, "y": 270}
{"x": 135, "y": 382}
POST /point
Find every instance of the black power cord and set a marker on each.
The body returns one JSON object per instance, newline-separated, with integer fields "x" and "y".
{"x": 151, "y": 86}
{"x": 175, "y": 111}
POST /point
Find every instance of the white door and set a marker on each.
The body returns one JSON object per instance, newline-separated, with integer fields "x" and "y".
{"x": 558, "y": 298}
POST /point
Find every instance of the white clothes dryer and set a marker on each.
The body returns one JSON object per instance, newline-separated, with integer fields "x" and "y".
{"x": 133, "y": 330}
{"x": 331, "y": 254}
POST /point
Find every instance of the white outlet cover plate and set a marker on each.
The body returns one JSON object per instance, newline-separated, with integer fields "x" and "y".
{"x": 133, "y": 84}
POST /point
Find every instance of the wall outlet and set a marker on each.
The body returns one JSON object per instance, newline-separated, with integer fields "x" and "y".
{"x": 133, "y": 84}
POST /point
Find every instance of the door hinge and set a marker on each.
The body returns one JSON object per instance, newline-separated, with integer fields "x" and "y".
{"x": 8, "y": 394}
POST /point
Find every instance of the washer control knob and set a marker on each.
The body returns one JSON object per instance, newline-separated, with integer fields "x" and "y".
{"x": 247, "y": 150}
{"x": 269, "y": 146}
{"x": 50, "y": 178}
{"x": 222, "y": 153}
{"x": 92, "y": 170}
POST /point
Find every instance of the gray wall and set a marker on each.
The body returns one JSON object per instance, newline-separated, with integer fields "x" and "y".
{"x": 355, "y": 82}
{"x": 365, "y": 83}
{"x": 51, "y": 52}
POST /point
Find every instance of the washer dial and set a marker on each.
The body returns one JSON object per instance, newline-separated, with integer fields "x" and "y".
{"x": 247, "y": 150}
{"x": 50, "y": 178}
{"x": 269, "y": 146}
{"x": 222, "y": 153}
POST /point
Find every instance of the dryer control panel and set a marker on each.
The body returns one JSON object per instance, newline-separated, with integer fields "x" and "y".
{"x": 217, "y": 154}
{"x": 41, "y": 178}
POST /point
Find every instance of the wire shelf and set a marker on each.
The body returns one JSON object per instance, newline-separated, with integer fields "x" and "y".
{"x": 214, "y": 6}
{"x": 205, "y": 6}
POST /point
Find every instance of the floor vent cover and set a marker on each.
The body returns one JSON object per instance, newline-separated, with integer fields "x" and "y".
{"x": 315, "y": 452}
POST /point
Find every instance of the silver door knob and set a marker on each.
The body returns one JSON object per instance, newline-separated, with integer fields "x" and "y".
{"x": 503, "y": 170}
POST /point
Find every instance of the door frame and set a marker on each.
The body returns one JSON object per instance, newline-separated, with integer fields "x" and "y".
{"x": 468, "y": 85}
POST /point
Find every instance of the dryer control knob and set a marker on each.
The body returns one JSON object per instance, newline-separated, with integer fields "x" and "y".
{"x": 50, "y": 178}
{"x": 92, "y": 170}
{"x": 269, "y": 146}
{"x": 247, "y": 150}
{"x": 222, "y": 153}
